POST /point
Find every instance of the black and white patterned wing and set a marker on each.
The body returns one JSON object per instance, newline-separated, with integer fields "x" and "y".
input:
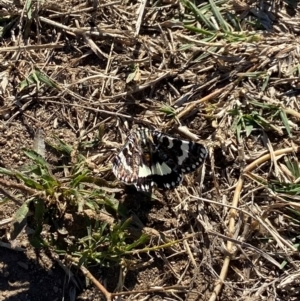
{"x": 163, "y": 171}
{"x": 182, "y": 156}
{"x": 170, "y": 159}
{"x": 151, "y": 158}
{"x": 126, "y": 163}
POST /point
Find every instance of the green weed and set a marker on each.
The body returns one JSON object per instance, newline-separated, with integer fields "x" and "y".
{"x": 50, "y": 197}
{"x": 259, "y": 115}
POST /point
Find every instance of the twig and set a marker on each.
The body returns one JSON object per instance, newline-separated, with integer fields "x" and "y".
{"x": 92, "y": 44}
{"x": 246, "y": 245}
{"x": 10, "y": 196}
{"x": 103, "y": 290}
{"x": 91, "y": 109}
{"x": 140, "y": 16}
{"x": 199, "y": 42}
{"x": 80, "y": 11}
{"x": 152, "y": 290}
{"x": 79, "y": 31}
{"x": 187, "y": 247}
{"x": 31, "y": 47}
{"x": 18, "y": 186}
{"x": 143, "y": 87}
{"x": 233, "y": 212}
{"x": 192, "y": 105}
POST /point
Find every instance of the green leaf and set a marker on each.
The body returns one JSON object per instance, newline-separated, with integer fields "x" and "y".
{"x": 133, "y": 76}
{"x": 4, "y": 200}
{"x": 60, "y": 146}
{"x": 206, "y": 54}
{"x": 112, "y": 204}
{"x": 37, "y": 242}
{"x": 7, "y": 172}
{"x": 249, "y": 129}
{"x": 125, "y": 224}
{"x": 238, "y": 131}
{"x": 19, "y": 220}
{"x": 28, "y": 5}
{"x": 263, "y": 105}
{"x": 130, "y": 77}
{"x": 168, "y": 110}
{"x": 293, "y": 167}
{"x": 80, "y": 178}
{"x": 185, "y": 47}
{"x": 29, "y": 182}
{"x": 37, "y": 158}
{"x": 285, "y": 122}
{"x": 39, "y": 216}
{"x": 265, "y": 82}
{"x": 198, "y": 13}
{"x": 25, "y": 83}
{"x": 288, "y": 188}
{"x": 142, "y": 240}
{"x": 200, "y": 30}
{"x": 256, "y": 75}
{"x": 49, "y": 182}
{"x": 46, "y": 79}
{"x": 36, "y": 77}
{"x": 223, "y": 24}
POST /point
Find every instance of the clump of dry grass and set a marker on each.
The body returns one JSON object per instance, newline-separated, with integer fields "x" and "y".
{"x": 223, "y": 72}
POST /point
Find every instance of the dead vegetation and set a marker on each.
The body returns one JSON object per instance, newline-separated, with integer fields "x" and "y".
{"x": 223, "y": 72}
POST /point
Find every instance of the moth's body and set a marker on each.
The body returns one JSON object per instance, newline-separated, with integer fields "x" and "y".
{"x": 150, "y": 158}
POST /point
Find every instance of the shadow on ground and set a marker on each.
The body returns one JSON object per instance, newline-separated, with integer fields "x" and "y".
{"x": 33, "y": 277}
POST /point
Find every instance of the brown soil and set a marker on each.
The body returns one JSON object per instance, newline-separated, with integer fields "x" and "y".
{"x": 89, "y": 67}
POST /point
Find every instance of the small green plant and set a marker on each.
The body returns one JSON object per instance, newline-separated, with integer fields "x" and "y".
{"x": 106, "y": 244}
{"x": 37, "y": 77}
{"x": 259, "y": 116}
{"x": 214, "y": 26}
{"x": 134, "y": 75}
{"x": 291, "y": 185}
{"x": 49, "y": 198}
{"x": 213, "y": 21}
{"x": 204, "y": 13}
{"x": 168, "y": 110}
{"x": 287, "y": 189}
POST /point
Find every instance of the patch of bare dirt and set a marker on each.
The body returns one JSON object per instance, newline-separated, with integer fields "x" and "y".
{"x": 80, "y": 69}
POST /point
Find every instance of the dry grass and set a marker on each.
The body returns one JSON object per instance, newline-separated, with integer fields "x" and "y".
{"x": 225, "y": 73}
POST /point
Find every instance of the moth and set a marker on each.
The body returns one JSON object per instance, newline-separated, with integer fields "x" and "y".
{"x": 150, "y": 158}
